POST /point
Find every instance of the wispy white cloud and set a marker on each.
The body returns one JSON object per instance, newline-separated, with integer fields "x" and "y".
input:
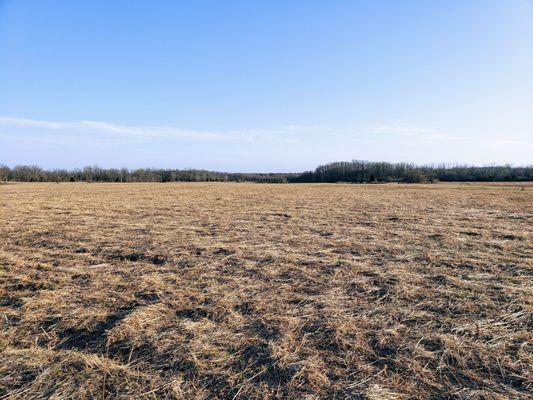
{"x": 99, "y": 127}
{"x": 26, "y": 122}
{"x": 290, "y": 133}
{"x": 289, "y": 147}
{"x": 161, "y": 132}
{"x": 433, "y": 135}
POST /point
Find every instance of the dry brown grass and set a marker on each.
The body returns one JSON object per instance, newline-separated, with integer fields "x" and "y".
{"x": 196, "y": 291}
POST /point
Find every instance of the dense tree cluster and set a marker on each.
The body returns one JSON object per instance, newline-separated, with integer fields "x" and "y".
{"x": 353, "y": 171}
{"x": 365, "y": 171}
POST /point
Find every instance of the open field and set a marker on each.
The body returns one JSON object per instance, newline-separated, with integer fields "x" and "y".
{"x": 196, "y": 291}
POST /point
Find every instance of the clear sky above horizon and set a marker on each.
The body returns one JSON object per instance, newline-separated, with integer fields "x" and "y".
{"x": 265, "y": 85}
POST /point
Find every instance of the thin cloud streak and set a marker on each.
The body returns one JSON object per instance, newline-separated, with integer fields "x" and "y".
{"x": 289, "y": 131}
{"x": 39, "y": 130}
{"x": 112, "y": 128}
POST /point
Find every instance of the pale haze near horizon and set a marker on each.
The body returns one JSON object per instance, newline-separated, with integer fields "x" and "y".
{"x": 265, "y": 86}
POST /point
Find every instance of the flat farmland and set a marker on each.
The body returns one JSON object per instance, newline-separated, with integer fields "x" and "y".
{"x": 250, "y": 291}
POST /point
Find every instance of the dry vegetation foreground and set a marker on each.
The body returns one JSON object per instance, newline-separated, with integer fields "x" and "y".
{"x": 196, "y": 291}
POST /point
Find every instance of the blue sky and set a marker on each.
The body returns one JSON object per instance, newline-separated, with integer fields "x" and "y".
{"x": 265, "y": 85}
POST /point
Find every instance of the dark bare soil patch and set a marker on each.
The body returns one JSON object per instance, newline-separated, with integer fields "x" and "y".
{"x": 94, "y": 339}
{"x": 135, "y": 256}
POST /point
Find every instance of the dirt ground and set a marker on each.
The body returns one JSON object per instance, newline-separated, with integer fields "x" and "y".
{"x": 235, "y": 291}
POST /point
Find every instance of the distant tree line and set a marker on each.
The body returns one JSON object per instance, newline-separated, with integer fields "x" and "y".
{"x": 365, "y": 171}
{"x": 31, "y": 173}
{"x": 352, "y": 171}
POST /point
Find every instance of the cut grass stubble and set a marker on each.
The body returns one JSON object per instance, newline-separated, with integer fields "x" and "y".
{"x": 196, "y": 291}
